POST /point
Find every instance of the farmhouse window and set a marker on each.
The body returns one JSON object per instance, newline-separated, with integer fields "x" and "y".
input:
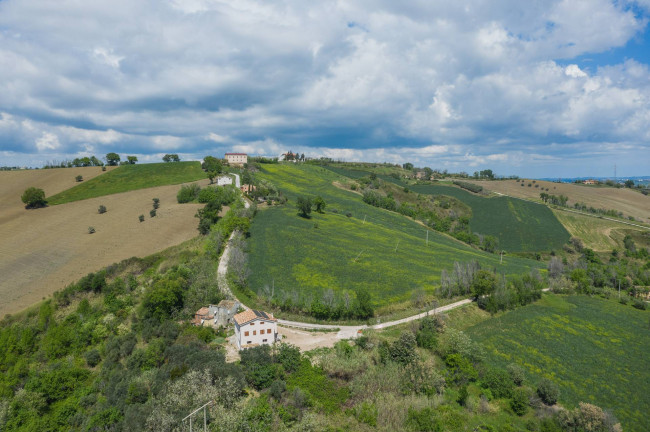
{"x": 245, "y": 333}
{"x": 254, "y": 332}
{"x": 265, "y": 340}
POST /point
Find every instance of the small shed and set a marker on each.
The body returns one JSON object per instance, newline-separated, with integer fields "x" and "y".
{"x": 224, "y": 312}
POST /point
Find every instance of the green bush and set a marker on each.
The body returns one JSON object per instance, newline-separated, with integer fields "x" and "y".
{"x": 34, "y": 198}
{"x": 499, "y": 382}
{"x": 141, "y": 218}
{"x": 206, "y": 195}
{"x": 424, "y": 420}
{"x": 548, "y": 391}
{"x": 92, "y": 358}
{"x": 79, "y": 178}
{"x": 519, "y": 401}
{"x": 101, "y": 209}
{"x": 91, "y": 230}
{"x": 516, "y": 373}
{"x": 152, "y": 213}
{"x": 188, "y": 193}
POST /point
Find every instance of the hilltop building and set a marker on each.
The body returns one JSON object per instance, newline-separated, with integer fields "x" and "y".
{"x": 236, "y": 159}
{"x": 254, "y": 328}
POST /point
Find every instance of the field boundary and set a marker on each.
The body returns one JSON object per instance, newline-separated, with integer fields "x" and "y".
{"x": 577, "y": 212}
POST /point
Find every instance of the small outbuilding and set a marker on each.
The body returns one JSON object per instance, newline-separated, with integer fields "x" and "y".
{"x": 224, "y": 312}
{"x": 254, "y": 328}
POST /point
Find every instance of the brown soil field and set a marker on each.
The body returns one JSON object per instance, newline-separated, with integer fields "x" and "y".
{"x": 43, "y": 250}
{"x": 630, "y": 202}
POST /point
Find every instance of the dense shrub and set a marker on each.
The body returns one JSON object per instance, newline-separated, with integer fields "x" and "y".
{"x": 101, "y": 209}
{"x": 498, "y": 381}
{"x": 188, "y": 193}
{"x": 548, "y": 391}
{"x": 519, "y": 402}
{"x": 34, "y": 198}
{"x": 92, "y": 358}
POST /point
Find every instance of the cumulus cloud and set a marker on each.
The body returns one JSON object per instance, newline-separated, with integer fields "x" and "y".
{"x": 457, "y": 85}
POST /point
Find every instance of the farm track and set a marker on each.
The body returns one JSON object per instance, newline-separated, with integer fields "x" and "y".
{"x": 304, "y": 340}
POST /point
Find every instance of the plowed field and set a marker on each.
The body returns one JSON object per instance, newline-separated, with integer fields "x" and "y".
{"x": 43, "y": 250}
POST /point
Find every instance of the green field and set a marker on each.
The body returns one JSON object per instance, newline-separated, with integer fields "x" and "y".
{"x": 596, "y": 350}
{"x": 520, "y": 226}
{"x": 387, "y": 254}
{"x": 131, "y": 177}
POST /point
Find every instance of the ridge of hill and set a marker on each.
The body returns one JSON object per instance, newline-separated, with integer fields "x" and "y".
{"x": 127, "y": 178}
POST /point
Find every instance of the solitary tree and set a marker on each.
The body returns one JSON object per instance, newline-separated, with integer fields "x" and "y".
{"x": 112, "y": 159}
{"x": 304, "y": 206}
{"x": 320, "y": 204}
{"x": 79, "y": 178}
{"x": 132, "y": 159}
{"x": 34, "y": 198}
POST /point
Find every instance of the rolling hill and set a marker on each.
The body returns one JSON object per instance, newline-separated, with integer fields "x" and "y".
{"x": 351, "y": 246}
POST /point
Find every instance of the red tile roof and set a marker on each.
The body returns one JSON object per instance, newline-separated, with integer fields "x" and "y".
{"x": 251, "y": 315}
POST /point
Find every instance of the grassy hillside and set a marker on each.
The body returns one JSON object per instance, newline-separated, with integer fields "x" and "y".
{"x": 371, "y": 248}
{"x": 520, "y": 226}
{"x": 595, "y": 350}
{"x": 601, "y": 234}
{"x": 131, "y": 177}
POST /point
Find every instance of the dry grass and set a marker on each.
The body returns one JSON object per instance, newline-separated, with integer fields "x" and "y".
{"x": 46, "y": 249}
{"x": 630, "y": 202}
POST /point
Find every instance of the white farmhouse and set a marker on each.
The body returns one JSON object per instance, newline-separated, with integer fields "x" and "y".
{"x": 253, "y": 328}
{"x": 224, "y": 180}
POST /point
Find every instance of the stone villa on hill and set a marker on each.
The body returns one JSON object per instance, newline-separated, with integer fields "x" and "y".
{"x": 254, "y": 328}
{"x": 236, "y": 159}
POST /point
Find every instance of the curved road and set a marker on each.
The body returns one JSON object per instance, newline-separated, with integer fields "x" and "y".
{"x": 345, "y": 332}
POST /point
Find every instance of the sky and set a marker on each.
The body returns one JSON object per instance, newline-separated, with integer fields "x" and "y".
{"x": 536, "y": 88}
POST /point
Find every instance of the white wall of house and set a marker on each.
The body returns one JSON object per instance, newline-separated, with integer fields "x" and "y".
{"x": 258, "y": 331}
{"x": 225, "y": 180}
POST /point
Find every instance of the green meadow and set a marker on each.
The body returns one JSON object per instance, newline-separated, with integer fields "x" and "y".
{"x": 596, "y": 350}
{"x": 520, "y": 226}
{"x": 375, "y": 249}
{"x": 126, "y": 178}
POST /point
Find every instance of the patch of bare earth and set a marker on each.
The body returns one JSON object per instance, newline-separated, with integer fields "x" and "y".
{"x": 43, "y": 250}
{"x": 630, "y": 202}
{"x": 307, "y": 340}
